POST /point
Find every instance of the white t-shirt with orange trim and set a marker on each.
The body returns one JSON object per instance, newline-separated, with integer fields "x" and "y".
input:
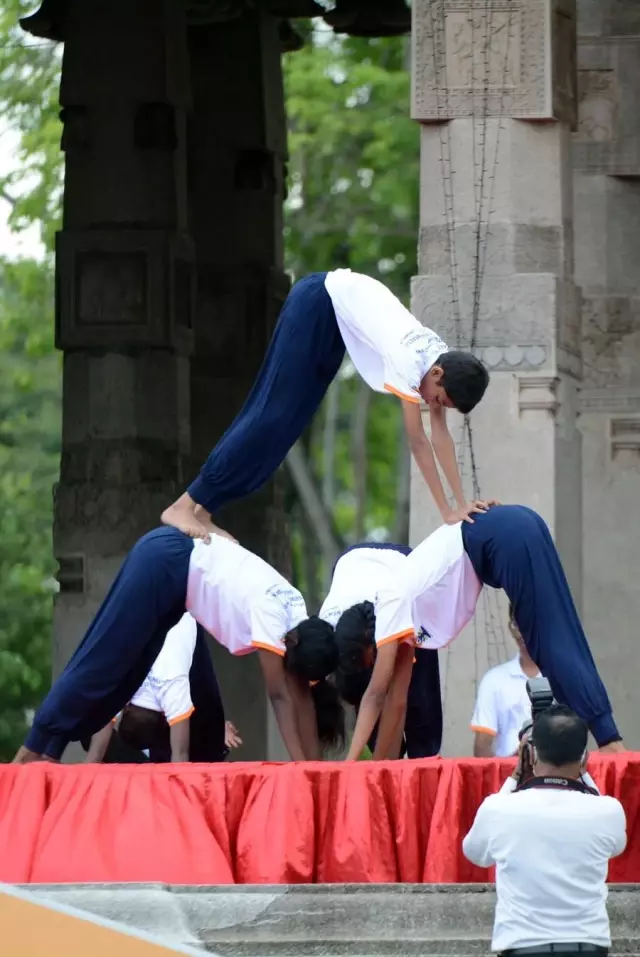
{"x": 390, "y": 349}
{"x": 166, "y": 688}
{"x": 438, "y": 584}
{"x": 503, "y": 706}
{"x": 364, "y": 574}
{"x": 239, "y": 599}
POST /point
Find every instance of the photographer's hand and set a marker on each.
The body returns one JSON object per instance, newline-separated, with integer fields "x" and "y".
{"x": 523, "y": 769}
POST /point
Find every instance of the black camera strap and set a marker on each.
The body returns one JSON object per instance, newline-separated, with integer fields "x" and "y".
{"x": 559, "y": 784}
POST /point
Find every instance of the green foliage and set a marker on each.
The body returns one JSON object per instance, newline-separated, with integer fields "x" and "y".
{"x": 353, "y": 202}
{"x": 29, "y": 87}
{"x": 29, "y": 455}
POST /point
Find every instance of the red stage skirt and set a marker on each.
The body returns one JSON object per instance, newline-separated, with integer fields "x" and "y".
{"x": 379, "y": 822}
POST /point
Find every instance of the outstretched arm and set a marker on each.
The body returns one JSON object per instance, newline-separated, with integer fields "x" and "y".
{"x": 445, "y": 450}
{"x": 423, "y": 455}
{"x": 282, "y": 702}
{"x": 179, "y": 734}
{"x": 389, "y": 740}
{"x": 374, "y": 698}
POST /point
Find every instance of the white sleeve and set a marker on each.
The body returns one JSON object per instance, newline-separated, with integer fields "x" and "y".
{"x": 618, "y": 827}
{"x": 485, "y": 715}
{"x": 406, "y": 365}
{"x": 394, "y": 615}
{"x": 174, "y": 697}
{"x": 476, "y": 846}
{"x": 268, "y": 625}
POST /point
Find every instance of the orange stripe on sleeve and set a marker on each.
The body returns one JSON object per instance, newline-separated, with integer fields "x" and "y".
{"x": 401, "y": 395}
{"x": 276, "y": 651}
{"x": 494, "y": 734}
{"x": 181, "y": 717}
{"x": 399, "y": 636}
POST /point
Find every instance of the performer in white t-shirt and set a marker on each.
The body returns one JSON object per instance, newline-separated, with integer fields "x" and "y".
{"x": 359, "y": 575}
{"x": 502, "y": 703}
{"x": 508, "y": 547}
{"x": 234, "y": 595}
{"x": 324, "y": 314}
{"x": 160, "y": 710}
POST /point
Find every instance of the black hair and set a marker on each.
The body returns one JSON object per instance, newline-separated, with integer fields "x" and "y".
{"x": 330, "y": 720}
{"x": 143, "y": 729}
{"x": 352, "y": 686}
{"x": 354, "y": 635}
{"x": 313, "y": 657}
{"x": 559, "y": 736}
{"x": 315, "y": 653}
{"x": 464, "y": 379}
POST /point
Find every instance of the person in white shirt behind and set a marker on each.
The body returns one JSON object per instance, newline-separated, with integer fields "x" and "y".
{"x": 502, "y": 703}
{"x": 158, "y": 718}
{"x": 551, "y": 839}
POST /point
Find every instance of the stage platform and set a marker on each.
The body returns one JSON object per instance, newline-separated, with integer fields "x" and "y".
{"x": 329, "y": 823}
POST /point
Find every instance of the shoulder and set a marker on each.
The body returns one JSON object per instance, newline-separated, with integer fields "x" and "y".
{"x": 496, "y": 676}
{"x": 609, "y": 807}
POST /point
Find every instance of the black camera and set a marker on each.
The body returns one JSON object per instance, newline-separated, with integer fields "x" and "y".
{"x": 541, "y": 698}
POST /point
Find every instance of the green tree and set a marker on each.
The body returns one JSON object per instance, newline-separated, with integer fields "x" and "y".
{"x": 29, "y": 87}
{"x": 29, "y": 455}
{"x": 353, "y": 201}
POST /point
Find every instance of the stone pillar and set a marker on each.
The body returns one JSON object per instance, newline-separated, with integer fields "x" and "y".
{"x": 124, "y": 292}
{"x": 607, "y": 210}
{"x": 494, "y": 93}
{"x": 237, "y": 154}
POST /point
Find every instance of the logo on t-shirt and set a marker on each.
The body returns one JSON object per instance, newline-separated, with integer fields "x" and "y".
{"x": 287, "y": 596}
{"x": 422, "y": 636}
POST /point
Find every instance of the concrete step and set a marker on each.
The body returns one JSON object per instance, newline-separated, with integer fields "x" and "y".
{"x": 330, "y": 920}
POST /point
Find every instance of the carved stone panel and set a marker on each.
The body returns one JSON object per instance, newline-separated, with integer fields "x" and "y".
{"x": 493, "y": 57}
{"x": 123, "y": 290}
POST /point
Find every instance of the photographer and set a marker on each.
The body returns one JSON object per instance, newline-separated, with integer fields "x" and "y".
{"x": 551, "y": 836}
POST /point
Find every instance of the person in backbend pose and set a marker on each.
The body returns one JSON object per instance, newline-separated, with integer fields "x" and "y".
{"x": 358, "y": 576}
{"x": 508, "y": 547}
{"x": 177, "y": 713}
{"x": 324, "y": 314}
{"x": 235, "y": 596}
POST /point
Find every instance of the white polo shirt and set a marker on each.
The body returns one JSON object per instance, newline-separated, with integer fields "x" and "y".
{"x": 503, "y": 706}
{"x": 239, "y": 599}
{"x": 390, "y": 349}
{"x": 437, "y": 587}
{"x": 166, "y": 688}
{"x": 551, "y": 849}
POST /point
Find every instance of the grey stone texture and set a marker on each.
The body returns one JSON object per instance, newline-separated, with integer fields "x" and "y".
{"x": 169, "y": 283}
{"x": 496, "y": 274}
{"x": 606, "y": 162}
{"x": 372, "y": 920}
{"x": 528, "y": 252}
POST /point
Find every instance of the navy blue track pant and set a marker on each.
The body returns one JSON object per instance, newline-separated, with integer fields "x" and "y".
{"x": 510, "y": 547}
{"x": 302, "y": 360}
{"x": 124, "y": 639}
{"x": 423, "y": 722}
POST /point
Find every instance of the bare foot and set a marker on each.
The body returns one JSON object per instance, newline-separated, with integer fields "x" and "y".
{"x": 204, "y": 519}
{"x": 616, "y": 747}
{"x": 24, "y": 756}
{"x": 181, "y": 515}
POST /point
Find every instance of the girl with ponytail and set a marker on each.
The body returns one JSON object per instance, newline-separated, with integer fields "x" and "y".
{"x": 375, "y": 677}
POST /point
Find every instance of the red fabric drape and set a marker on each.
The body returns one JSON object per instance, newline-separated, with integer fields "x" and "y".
{"x": 264, "y": 823}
